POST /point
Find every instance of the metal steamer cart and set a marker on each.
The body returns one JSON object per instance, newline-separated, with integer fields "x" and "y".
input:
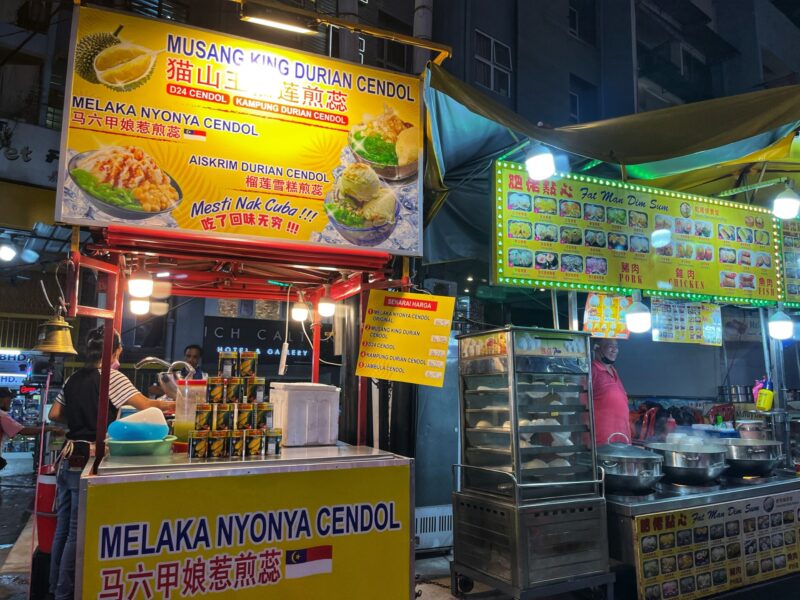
{"x": 529, "y": 517}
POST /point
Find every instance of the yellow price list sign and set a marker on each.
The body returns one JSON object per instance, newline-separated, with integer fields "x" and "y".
{"x": 405, "y": 337}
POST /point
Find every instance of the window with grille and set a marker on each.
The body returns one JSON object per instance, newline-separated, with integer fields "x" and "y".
{"x": 54, "y": 117}
{"x": 172, "y": 10}
{"x": 492, "y": 64}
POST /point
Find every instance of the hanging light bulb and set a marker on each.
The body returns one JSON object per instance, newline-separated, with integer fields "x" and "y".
{"x": 7, "y": 252}
{"x": 326, "y": 306}
{"x": 140, "y": 307}
{"x": 161, "y": 290}
{"x": 786, "y": 205}
{"x": 638, "y": 318}
{"x": 780, "y": 325}
{"x": 140, "y": 284}
{"x": 299, "y": 311}
{"x": 159, "y": 309}
{"x": 540, "y": 163}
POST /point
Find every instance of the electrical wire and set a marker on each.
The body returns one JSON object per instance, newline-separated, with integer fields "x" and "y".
{"x": 288, "y": 312}
{"x": 310, "y": 343}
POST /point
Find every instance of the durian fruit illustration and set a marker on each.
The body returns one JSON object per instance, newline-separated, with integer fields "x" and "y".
{"x": 89, "y": 46}
{"x": 121, "y": 66}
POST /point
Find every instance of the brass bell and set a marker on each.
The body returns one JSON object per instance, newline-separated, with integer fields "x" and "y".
{"x": 54, "y": 337}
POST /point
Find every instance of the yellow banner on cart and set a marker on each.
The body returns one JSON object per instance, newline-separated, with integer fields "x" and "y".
{"x": 711, "y": 549}
{"x": 172, "y": 126}
{"x": 584, "y": 233}
{"x": 405, "y": 337}
{"x": 338, "y": 534}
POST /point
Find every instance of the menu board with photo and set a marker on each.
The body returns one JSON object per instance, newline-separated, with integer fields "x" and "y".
{"x": 711, "y": 549}
{"x": 791, "y": 259}
{"x": 585, "y": 233}
{"x": 686, "y": 322}
{"x": 604, "y": 316}
{"x": 172, "y": 127}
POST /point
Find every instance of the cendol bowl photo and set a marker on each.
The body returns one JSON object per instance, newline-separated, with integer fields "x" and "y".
{"x": 361, "y": 236}
{"x": 118, "y": 211}
{"x": 384, "y": 171}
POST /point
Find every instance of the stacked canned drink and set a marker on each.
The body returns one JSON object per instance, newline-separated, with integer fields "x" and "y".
{"x": 236, "y": 422}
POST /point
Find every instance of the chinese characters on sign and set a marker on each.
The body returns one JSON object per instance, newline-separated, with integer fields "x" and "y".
{"x": 596, "y": 235}
{"x": 791, "y": 259}
{"x": 710, "y": 549}
{"x": 604, "y": 316}
{"x": 171, "y": 126}
{"x": 237, "y": 537}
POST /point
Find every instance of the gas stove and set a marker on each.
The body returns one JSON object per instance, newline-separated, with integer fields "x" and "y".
{"x": 669, "y": 495}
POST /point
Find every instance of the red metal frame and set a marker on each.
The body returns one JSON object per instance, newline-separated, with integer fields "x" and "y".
{"x": 112, "y": 319}
{"x": 301, "y": 262}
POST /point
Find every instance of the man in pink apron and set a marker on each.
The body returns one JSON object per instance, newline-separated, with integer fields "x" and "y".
{"x": 608, "y": 394}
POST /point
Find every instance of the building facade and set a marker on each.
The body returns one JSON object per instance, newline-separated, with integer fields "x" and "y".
{"x": 562, "y": 62}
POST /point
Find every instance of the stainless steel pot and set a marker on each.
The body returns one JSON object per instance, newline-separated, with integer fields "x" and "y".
{"x": 629, "y": 468}
{"x": 752, "y": 457}
{"x": 691, "y": 463}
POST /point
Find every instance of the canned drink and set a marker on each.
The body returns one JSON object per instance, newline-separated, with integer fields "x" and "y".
{"x": 237, "y": 444}
{"x": 264, "y": 415}
{"x": 203, "y": 416}
{"x": 223, "y": 417}
{"x": 244, "y": 416}
{"x": 274, "y": 442}
{"x": 248, "y": 364}
{"x": 233, "y": 390}
{"x": 218, "y": 442}
{"x": 228, "y": 365}
{"x": 198, "y": 444}
{"x": 216, "y": 390}
{"x": 255, "y": 388}
{"x": 254, "y": 442}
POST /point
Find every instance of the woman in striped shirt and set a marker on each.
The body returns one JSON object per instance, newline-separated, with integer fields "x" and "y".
{"x": 77, "y": 407}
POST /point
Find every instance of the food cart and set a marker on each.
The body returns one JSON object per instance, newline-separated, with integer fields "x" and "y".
{"x": 306, "y": 511}
{"x": 236, "y": 169}
{"x": 724, "y": 517}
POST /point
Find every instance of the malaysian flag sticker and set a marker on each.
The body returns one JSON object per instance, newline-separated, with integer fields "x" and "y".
{"x": 194, "y": 134}
{"x": 309, "y": 561}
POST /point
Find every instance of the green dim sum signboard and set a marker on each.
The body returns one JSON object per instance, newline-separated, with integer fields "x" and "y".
{"x": 582, "y": 233}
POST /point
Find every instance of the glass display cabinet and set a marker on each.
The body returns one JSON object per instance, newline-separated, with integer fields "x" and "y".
{"x": 525, "y": 412}
{"x": 528, "y": 509}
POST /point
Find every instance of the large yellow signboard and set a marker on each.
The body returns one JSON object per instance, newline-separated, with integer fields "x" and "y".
{"x": 405, "y": 337}
{"x": 341, "y": 533}
{"x": 172, "y": 126}
{"x": 791, "y": 259}
{"x": 583, "y": 233}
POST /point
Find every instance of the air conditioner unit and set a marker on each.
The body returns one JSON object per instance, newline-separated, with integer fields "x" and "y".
{"x": 440, "y": 287}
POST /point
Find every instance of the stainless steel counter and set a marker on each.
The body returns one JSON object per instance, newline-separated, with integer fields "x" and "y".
{"x": 289, "y": 458}
{"x": 668, "y": 498}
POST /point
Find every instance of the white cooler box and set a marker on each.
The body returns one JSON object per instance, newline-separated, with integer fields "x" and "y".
{"x": 308, "y": 413}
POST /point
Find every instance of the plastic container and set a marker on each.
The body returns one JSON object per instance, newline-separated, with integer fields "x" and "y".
{"x": 765, "y": 397}
{"x": 192, "y": 393}
{"x": 153, "y": 448}
{"x": 45, "y": 507}
{"x": 307, "y": 413}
